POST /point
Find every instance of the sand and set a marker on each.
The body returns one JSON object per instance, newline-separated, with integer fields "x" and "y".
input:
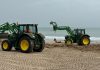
{"x": 55, "y": 56}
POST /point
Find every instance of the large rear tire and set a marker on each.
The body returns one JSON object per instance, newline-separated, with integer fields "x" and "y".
{"x": 25, "y": 44}
{"x": 85, "y": 40}
{"x": 40, "y": 47}
{"x": 6, "y": 45}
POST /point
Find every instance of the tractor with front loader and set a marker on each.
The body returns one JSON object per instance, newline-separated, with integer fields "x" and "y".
{"x": 23, "y": 37}
{"x": 74, "y": 36}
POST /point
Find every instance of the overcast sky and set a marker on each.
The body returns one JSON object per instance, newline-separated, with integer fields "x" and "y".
{"x": 74, "y": 13}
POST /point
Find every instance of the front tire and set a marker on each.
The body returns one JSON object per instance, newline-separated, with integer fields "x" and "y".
{"x": 6, "y": 45}
{"x": 25, "y": 45}
{"x": 68, "y": 42}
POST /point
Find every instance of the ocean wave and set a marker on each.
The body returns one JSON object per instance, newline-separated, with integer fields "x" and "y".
{"x": 62, "y": 38}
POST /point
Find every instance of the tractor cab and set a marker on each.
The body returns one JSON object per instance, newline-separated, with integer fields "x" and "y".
{"x": 79, "y": 31}
{"x": 28, "y": 28}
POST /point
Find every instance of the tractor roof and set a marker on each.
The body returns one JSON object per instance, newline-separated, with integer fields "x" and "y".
{"x": 27, "y": 24}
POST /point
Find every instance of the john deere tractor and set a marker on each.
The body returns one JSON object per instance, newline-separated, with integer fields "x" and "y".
{"x": 23, "y": 37}
{"x": 74, "y": 36}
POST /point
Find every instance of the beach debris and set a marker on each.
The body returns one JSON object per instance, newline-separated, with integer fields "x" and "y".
{"x": 56, "y": 41}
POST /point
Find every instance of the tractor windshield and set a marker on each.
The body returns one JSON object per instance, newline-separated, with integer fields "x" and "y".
{"x": 28, "y": 28}
{"x": 32, "y": 29}
{"x": 79, "y": 31}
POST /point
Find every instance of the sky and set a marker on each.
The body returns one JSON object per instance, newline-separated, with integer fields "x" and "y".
{"x": 74, "y": 13}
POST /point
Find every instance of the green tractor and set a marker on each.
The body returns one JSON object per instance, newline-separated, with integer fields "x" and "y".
{"x": 74, "y": 36}
{"x": 23, "y": 37}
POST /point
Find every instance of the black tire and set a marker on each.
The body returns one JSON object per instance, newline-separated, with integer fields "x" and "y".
{"x": 68, "y": 42}
{"x": 6, "y": 45}
{"x": 40, "y": 47}
{"x": 25, "y": 44}
{"x": 85, "y": 40}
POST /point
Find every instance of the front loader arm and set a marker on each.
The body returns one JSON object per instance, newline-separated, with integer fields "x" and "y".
{"x": 12, "y": 28}
{"x": 67, "y": 28}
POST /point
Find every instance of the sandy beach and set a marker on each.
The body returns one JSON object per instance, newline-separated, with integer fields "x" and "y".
{"x": 55, "y": 56}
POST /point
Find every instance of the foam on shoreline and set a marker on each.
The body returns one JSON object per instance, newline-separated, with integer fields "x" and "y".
{"x": 62, "y": 38}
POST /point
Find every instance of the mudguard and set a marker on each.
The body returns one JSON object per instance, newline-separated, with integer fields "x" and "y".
{"x": 41, "y": 35}
{"x": 85, "y": 35}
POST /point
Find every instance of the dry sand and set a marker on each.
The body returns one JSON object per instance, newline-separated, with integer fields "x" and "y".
{"x": 55, "y": 56}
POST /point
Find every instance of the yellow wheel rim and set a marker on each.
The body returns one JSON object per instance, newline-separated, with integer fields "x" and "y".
{"x": 24, "y": 45}
{"x": 68, "y": 42}
{"x": 5, "y": 45}
{"x": 85, "y": 41}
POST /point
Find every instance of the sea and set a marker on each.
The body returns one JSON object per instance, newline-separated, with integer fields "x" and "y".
{"x": 94, "y": 33}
